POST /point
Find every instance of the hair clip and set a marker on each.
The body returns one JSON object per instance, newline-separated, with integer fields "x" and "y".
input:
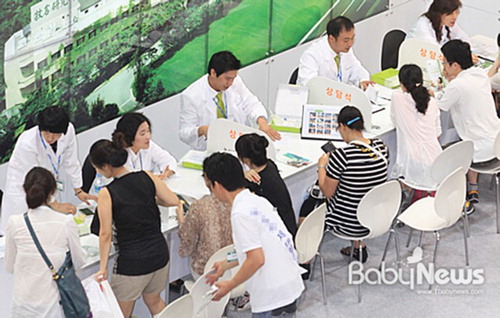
{"x": 418, "y": 84}
{"x": 352, "y": 120}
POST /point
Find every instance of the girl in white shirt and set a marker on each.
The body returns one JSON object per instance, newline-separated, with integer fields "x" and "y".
{"x": 416, "y": 117}
{"x": 35, "y": 293}
{"x": 438, "y": 24}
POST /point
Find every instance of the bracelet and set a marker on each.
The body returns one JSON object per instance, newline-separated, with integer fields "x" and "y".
{"x": 78, "y": 192}
{"x": 321, "y": 166}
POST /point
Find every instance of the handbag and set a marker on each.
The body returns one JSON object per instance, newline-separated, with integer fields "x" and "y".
{"x": 73, "y": 297}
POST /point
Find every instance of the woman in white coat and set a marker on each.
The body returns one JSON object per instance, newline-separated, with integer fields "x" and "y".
{"x": 51, "y": 145}
{"x": 143, "y": 153}
{"x": 438, "y": 25}
{"x": 34, "y": 292}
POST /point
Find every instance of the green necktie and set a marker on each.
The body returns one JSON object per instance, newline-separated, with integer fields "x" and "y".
{"x": 221, "y": 109}
{"x": 337, "y": 61}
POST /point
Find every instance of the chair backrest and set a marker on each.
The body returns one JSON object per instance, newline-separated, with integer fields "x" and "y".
{"x": 379, "y": 207}
{"x": 294, "y": 76}
{"x": 419, "y": 52}
{"x": 218, "y": 256}
{"x": 497, "y": 145}
{"x": 325, "y": 91}
{"x": 202, "y": 306}
{"x": 222, "y": 255}
{"x": 450, "y": 197}
{"x": 310, "y": 233}
{"x": 390, "y": 48}
{"x": 458, "y": 155}
{"x": 223, "y": 133}
{"x": 181, "y": 307}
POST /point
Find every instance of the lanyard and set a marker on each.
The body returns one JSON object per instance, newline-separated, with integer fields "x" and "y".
{"x": 140, "y": 160}
{"x": 339, "y": 71}
{"x": 54, "y": 167}
{"x": 224, "y": 113}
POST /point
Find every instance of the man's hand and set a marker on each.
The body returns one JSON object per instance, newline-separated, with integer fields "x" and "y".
{"x": 264, "y": 126}
{"x": 67, "y": 208}
{"x": 218, "y": 270}
{"x": 84, "y": 196}
{"x": 225, "y": 287}
{"x": 203, "y": 131}
{"x": 365, "y": 84}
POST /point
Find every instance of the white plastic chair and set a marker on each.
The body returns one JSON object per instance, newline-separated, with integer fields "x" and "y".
{"x": 201, "y": 294}
{"x": 494, "y": 169}
{"x": 220, "y": 255}
{"x": 440, "y": 212}
{"x": 308, "y": 240}
{"x": 181, "y": 307}
{"x": 223, "y": 133}
{"x": 376, "y": 212}
{"x": 456, "y": 156}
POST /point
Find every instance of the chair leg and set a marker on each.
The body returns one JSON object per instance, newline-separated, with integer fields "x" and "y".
{"x": 391, "y": 232}
{"x": 361, "y": 260}
{"x": 497, "y": 178}
{"x": 323, "y": 282}
{"x": 465, "y": 241}
{"x": 435, "y": 252}
{"x": 421, "y": 238}
{"x": 492, "y": 182}
{"x": 409, "y": 238}
{"x": 311, "y": 274}
{"x": 466, "y": 223}
{"x": 396, "y": 243}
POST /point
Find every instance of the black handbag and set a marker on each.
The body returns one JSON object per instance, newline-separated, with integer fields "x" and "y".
{"x": 73, "y": 297}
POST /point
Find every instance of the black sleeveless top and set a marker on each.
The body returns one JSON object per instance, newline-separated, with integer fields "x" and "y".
{"x": 141, "y": 246}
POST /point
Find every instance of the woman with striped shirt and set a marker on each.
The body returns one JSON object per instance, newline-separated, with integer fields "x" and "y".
{"x": 346, "y": 174}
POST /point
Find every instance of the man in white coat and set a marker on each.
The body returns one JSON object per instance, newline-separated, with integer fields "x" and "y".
{"x": 51, "y": 145}
{"x": 332, "y": 56}
{"x": 219, "y": 94}
{"x": 468, "y": 99}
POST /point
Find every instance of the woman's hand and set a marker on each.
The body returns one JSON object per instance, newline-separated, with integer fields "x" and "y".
{"x": 252, "y": 176}
{"x": 167, "y": 173}
{"x": 323, "y": 160}
{"x": 101, "y": 276}
{"x": 85, "y": 197}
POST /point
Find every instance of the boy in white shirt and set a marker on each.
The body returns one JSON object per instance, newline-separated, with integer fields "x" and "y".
{"x": 468, "y": 99}
{"x": 263, "y": 245}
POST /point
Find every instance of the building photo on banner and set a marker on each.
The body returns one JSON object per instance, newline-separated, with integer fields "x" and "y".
{"x": 98, "y": 60}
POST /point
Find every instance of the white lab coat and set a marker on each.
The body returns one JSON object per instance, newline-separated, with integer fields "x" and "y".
{"x": 468, "y": 99}
{"x": 30, "y": 152}
{"x": 153, "y": 159}
{"x": 318, "y": 60}
{"x": 199, "y": 108}
{"x": 34, "y": 292}
{"x": 423, "y": 30}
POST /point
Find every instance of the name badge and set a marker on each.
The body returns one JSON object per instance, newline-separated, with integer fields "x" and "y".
{"x": 60, "y": 185}
{"x": 231, "y": 257}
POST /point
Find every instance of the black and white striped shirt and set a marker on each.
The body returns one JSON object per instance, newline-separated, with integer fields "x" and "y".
{"x": 358, "y": 170}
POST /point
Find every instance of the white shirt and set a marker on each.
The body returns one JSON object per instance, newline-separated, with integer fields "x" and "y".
{"x": 319, "y": 60}
{"x": 423, "y": 30}
{"x": 468, "y": 99}
{"x": 417, "y": 140}
{"x": 31, "y": 151}
{"x": 35, "y": 294}
{"x": 256, "y": 224}
{"x": 154, "y": 159}
{"x": 199, "y": 108}
{"x": 495, "y": 81}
